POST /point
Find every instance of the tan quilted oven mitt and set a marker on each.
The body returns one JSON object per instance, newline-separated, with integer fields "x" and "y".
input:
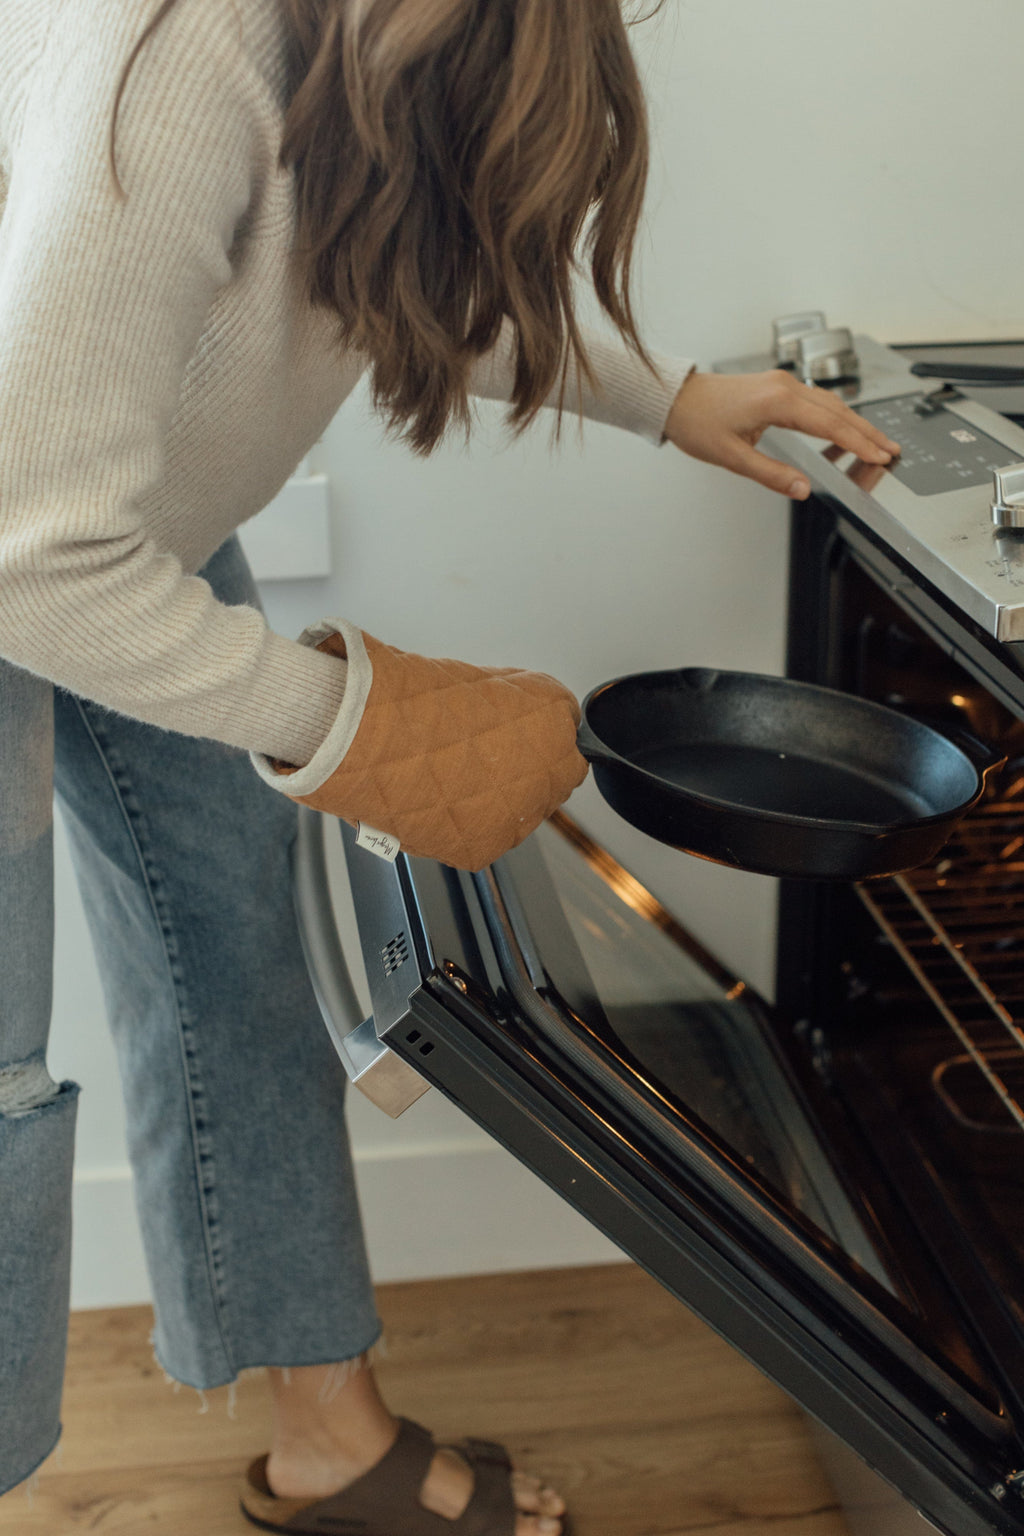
{"x": 459, "y": 763}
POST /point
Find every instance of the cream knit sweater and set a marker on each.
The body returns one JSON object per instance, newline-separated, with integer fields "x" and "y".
{"x": 161, "y": 372}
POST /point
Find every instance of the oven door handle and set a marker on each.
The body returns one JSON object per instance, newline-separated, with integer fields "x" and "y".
{"x": 373, "y": 1068}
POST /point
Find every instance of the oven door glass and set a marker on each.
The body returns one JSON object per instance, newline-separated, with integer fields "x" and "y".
{"x": 563, "y": 1009}
{"x": 680, "y": 1031}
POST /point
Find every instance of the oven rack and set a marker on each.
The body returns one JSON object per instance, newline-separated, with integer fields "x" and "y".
{"x": 958, "y": 927}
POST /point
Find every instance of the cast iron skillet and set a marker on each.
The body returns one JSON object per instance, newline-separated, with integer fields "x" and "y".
{"x": 775, "y": 776}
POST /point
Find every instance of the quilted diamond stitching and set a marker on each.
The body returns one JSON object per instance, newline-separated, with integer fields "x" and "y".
{"x": 458, "y": 762}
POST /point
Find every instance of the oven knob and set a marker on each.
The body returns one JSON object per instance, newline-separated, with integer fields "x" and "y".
{"x": 1008, "y": 497}
{"x": 788, "y": 329}
{"x": 826, "y": 357}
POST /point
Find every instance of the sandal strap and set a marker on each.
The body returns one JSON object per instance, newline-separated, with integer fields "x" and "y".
{"x": 491, "y": 1510}
{"x": 392, "y": 1485}
{"x": 485, "y": 1450}
{"x": 385, "y": 1501}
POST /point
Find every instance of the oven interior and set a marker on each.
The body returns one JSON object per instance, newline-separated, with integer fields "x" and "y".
{"x": 908, "y": 993}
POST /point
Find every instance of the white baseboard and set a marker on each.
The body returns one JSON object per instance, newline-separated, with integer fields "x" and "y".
{"x": 107, "y": 1267}
{"x": 457, "y": 1209}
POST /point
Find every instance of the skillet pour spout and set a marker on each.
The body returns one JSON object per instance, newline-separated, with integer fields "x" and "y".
{"x": 778, "y": 777}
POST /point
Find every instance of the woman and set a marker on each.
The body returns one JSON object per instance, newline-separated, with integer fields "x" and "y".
{"x": 215, "y": 218}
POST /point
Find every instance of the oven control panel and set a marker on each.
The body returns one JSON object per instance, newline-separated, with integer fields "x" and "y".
{"x": 937, "y": 509}
{"x": 940, "y": 452}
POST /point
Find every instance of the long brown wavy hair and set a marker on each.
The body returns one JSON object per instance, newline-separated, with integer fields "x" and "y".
{"x": 452, "y": 157}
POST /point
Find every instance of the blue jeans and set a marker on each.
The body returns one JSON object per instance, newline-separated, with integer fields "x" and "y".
{"x": 234, "y": 1094}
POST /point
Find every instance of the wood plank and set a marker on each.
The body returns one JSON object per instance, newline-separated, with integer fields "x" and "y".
{"x": 650, "y": 1424}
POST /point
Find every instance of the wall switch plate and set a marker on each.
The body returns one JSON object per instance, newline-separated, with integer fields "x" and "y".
{"x": 290, "y": 540}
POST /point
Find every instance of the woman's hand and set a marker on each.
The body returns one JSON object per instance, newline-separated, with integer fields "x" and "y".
{"x": 449, "y": 761}
{"x": 720, "y": 417}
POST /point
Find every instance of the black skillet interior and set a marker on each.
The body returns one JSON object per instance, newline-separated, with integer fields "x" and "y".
{"x": 790, "y": 751}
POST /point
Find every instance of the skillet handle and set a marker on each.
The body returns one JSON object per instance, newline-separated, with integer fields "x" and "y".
{"x": 984, "y": 756}
{"x": 589, "y": 746}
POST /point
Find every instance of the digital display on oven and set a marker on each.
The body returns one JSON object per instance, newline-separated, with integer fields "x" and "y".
{"x": 941, "y": 451}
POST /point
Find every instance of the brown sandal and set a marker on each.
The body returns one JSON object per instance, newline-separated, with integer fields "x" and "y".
{"x": 385, "y": 1500}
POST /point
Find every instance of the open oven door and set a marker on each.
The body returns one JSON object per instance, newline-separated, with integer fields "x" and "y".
{"x": 559, "y": 1006}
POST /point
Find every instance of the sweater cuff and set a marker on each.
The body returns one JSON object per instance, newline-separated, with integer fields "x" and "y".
{"x": 639, "y": 400}
{"x": 303, "y": 781}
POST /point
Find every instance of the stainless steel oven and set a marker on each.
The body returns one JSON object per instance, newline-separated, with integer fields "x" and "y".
{"x": 834, "y": 1182}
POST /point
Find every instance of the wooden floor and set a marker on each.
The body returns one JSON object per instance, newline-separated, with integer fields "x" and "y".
{"x": 644, "y": 1418}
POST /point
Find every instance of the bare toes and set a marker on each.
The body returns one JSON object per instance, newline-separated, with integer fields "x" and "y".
{"x": 537, "y": 1525}
{"x": 527, "y": 1493}
{"x": 551, "y": 1503}
{"x": 532, "y": 1497}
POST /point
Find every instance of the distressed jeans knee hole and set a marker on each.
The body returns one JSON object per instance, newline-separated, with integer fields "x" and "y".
{"x": 26, "y": 1086}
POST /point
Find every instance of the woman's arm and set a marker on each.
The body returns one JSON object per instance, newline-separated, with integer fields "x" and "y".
{"x": 715, "y": 417}
{"x": 627, "y": 393}
{"x": 102, "y": 304}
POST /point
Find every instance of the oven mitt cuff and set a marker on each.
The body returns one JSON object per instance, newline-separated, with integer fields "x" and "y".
{"x": 340, "y": 638}
{"x": 450, "y": 761}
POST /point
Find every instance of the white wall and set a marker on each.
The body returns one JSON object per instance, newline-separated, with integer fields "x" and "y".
{"x": 845, "y": 154}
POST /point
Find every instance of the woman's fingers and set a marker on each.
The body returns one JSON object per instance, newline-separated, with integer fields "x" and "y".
{"x": 804, "y": 408}
{"x": 721, "y": 417}
{"x": 744, "y": 460}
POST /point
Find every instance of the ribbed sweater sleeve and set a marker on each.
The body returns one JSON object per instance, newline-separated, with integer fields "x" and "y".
{"x": 103, "y": 301}
{"x": 161, "y": 372}
{"x": 624, "y": 392}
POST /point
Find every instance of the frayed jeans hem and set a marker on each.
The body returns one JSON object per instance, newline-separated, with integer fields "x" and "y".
{"x": 374, "y": 1348}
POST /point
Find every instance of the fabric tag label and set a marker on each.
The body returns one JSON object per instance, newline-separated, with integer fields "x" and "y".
{"x": 381, "y": 843}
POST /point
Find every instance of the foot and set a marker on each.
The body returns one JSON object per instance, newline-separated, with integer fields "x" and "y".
{"x": 331, "y": 1426}
{"x": 446, "y": 1489}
